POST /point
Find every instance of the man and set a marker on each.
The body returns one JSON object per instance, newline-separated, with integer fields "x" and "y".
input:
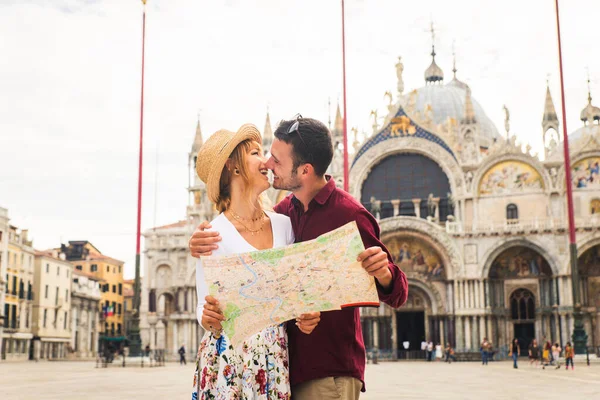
{"x": 330, "y": 362}
{"x": 182, "y": 355}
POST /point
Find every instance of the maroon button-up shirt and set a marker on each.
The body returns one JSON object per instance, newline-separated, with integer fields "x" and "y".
{"x": 335, "y": 347}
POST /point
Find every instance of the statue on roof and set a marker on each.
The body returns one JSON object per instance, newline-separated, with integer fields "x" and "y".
{"x": 399, "y": 70}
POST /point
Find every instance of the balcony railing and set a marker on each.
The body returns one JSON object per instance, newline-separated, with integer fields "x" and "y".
{"x": 440, "y": 209}
{"x": 513, "y": 226}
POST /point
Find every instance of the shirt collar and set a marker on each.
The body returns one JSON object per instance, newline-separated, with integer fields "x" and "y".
{"x": 326, "y": 191}
{"x": 323, "y": 195}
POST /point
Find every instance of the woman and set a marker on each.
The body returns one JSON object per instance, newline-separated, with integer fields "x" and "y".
{"x": 515, "y": 352}
{"x": 233, "y": 168}
{"x": 439, "y": 354}
{"x": 556, "y": 354}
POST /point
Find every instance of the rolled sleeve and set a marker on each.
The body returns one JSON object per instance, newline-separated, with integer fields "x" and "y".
{"x": 396, "y": 295}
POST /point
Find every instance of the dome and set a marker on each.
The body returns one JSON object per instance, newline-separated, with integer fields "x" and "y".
{"x": 584, "y": 131}
{"x": 448, "y": 101}
{"x": 434, "y": 73}
{"x": 590, "y": 113}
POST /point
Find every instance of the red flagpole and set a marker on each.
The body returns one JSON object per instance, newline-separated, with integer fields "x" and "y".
{"x": 135, "y": 343}
{"x": 139, "y": 203}
{"x": 579, "y": 335}
{"x": 346, "y": 182}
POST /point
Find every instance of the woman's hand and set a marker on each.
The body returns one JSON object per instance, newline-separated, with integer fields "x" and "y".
{"x": 308, "y": 322}
{"x": 212, "y": 316}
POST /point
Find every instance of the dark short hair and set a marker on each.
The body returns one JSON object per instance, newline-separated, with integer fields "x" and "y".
{"x": 310, "y": 145}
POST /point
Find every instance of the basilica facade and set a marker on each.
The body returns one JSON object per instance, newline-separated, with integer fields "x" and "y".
{"x": 476, "y": 221}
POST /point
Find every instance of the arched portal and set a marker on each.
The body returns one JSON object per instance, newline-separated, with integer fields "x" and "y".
{"x": 522, "y": 313}
{"x": 522, "y": 295}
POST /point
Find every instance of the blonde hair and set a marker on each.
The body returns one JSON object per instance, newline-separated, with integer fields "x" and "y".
{"x": 238, "y": 161}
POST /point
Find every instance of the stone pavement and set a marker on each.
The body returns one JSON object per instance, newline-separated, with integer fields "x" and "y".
{"x": 399, "y": 380}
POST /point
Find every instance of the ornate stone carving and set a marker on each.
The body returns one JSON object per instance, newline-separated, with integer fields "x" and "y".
{"x": 438, "y": 237}
{"x": 360, "y": 171}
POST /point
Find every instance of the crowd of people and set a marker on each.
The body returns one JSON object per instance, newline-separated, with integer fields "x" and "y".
{"x": 547, "y": 354}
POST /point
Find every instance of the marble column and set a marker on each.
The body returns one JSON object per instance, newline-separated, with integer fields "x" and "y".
{"x": 396, "y": 205}
{"x": 442, "y": 333}
{"x": 563, "y": 328}
{"x": 482, "y": 330}
{"x": 570, "y": 324}
{"x": 376, "y": 333}
{"x": 459, "y": 333}
{"x": 561, "y": 291}
{"x": 475, "y": 286}
{"x": 482, "y": 294}
{"x": 174, "y": 336}
{"x": 417, "y": 206}
{"x": 467, "y": 295}
{"x": 490, "y": 330}
{"x": 476, "y": 336}
{"x": 436, "y": 203}
{"x": 450, "y": 297}
{"x": 468, "y": 333}
{"x": 454, "y": 299}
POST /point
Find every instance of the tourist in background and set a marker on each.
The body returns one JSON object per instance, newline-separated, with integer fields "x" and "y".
{"x": 569, "y": 353}
{"x": 450, "y": 353}
{"x": 556, "y": 354}
{"x": 515, "y": 352}
{"x": 534, "y": 353}
{"x": 485, "y": 351}
{"x": 438, "y": 352}
{"x": 430, "y": 351}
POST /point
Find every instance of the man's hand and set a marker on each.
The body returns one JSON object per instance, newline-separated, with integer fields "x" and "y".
{"x": 308, "y": 322}
{"x": 212, "y": 316}
{"x": 203, "y": 243}
{"x": 375, "y": 262}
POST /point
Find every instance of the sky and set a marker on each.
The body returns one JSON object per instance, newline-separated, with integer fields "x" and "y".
{"x": 70, "y": 88}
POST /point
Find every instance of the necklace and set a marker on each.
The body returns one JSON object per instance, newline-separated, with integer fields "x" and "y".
{"x": 240, "y": 220}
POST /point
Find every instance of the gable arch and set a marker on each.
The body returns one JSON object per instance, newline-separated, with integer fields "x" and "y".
{"x": 506, "y": 244}
{"x": 401, "y": 145}
{"x": 535, "y": 164}
{"x": 576, "y": 159}
{"x": 430, "y": 232}
{"x": 435, "y": 299}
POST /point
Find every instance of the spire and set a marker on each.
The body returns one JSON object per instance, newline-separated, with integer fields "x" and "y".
{"x": 455, "y": 81}
{"x": 338, "y": 126}
{"x": 590, "y": 113}
{"x": 433, "y": 73}
{"x": 549, "y": 110}
{"x": 469, "y": 117}
{"x": 267, "y": 134}
{"x": 198, "y": 142}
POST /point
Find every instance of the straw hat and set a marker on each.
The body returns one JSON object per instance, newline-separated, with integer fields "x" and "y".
{"x": 214, "y": 154}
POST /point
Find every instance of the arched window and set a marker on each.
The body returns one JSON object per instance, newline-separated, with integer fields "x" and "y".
{"x": 512, "y": 213}
{"x": 522, "y": 305}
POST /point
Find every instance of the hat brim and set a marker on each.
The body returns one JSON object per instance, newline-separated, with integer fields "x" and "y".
{"x": 223, "y": 152}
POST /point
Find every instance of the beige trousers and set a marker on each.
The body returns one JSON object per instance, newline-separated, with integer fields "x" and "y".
{"x": 338, "y": 388}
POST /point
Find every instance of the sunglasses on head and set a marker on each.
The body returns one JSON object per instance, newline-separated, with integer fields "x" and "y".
{"x": 295, "y": 127}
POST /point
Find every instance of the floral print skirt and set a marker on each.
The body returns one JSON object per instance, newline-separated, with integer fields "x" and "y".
{"x": 256, "y": 369}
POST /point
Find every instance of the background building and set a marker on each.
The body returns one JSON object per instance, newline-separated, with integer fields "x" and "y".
{"x": 52, "y": 305}
{"x": 477, "y": 222}
{"x": 3, "y": 275}
{"x": 109, "y": 273}
{"x": 85, "y": 314}
{"x": 16, "y": 342}
{"x": 128, "y": 294}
